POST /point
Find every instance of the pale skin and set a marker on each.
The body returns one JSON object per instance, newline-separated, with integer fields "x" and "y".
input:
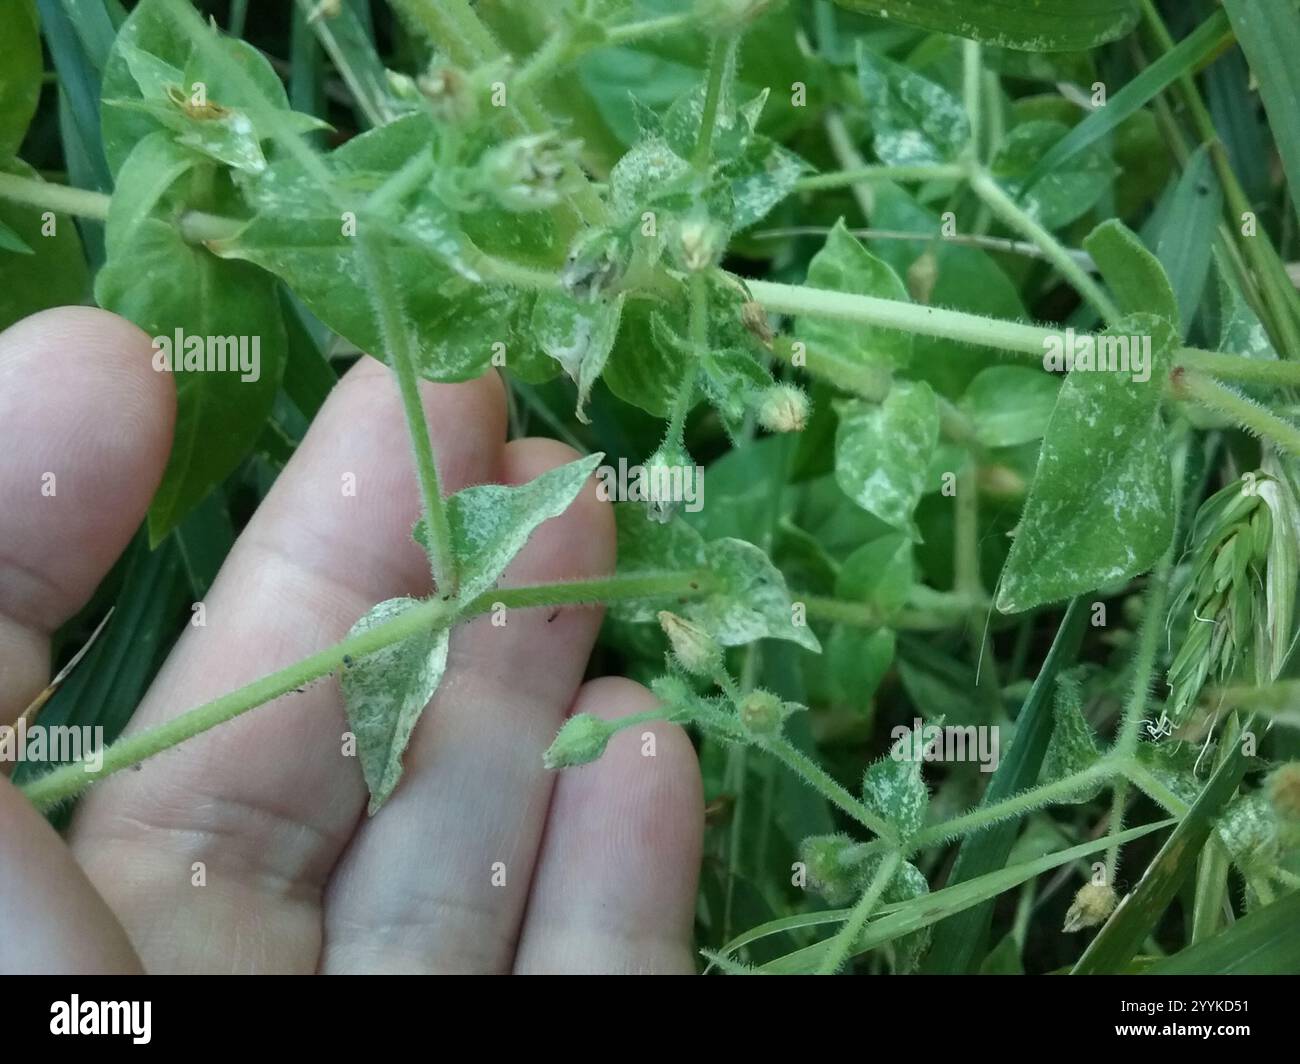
{"x": 600, "y": 862}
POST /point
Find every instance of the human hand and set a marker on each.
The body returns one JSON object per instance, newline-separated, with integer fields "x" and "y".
{"x": 599, "y": 863}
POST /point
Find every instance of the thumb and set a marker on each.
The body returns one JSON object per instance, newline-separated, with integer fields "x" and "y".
{"x": 51, "y": 919}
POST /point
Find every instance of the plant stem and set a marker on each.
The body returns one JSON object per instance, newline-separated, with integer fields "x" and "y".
{"x": 972, "y": 92}
{"x": 1016, "y": 218}
{"x": 396, "y": 337}
{"x": 69, "y": 780}
{"x": 1118, "y": 801}
{"x": 1144, "y": 658}
{"x": 1245, "y": 412}
{"x": 847, "y": 177}
{"x": 1060, "y": 790}
{"x": 839, "y": 947}
{"x": 820, "y": 780}
{"x": 942, "y": 613}
{"x": 80, "y": 202}
{"x": 719, "y": 63}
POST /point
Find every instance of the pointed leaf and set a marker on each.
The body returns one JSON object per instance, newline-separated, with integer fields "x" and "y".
{"x": 384, "y": 694}
{"x": 914, "y": 121}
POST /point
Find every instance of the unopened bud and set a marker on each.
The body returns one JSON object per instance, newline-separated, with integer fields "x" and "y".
{"x": 762, "y": 713}
{"x": 695, "y": 650}
{"x": 449, "y": 92}
{"x": 582, "y": 739}
{"x": 828, "y": 871}
{"x": 698, "y": 244}
{"x": 527, "y": 173}
{"x": 1093, "y": 903}
{"x": 1284, "y": 791}
{"x": 783, "y": 408}
{"x": 754, "y": 318}
{"x": 921, "y": 277}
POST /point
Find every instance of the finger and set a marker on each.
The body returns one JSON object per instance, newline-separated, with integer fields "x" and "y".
{"x": 85, "y": 427}
{"x": 51, "y": 919}
{"x": 438, "y": 880}
{"x": 614, "y": 890}
{"x": 215, "y": 853}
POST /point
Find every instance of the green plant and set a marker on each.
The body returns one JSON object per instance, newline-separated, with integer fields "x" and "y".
{"x": 907, "y": 471}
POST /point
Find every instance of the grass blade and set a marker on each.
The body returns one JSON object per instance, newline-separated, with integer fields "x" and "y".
{"x": 1262, "y": 943}
{"x": 1207, "y": 39}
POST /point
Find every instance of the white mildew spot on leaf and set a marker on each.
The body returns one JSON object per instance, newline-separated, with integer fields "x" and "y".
{"x": 490, "y": 523}
{"x": 749, "y": 602}
{"x": 916, "y": 121}
{"x": 1099, "y": 510}
{"x": 882, "y": 453}
{"x": 385, "y": 693}
{"x": 893, "y": 787}
{"x": 579, "y": 336}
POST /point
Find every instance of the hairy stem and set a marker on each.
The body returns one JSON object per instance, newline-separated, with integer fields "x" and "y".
{"x": 820, "y": 780}
{"x": 1245, "y": 412}
{"x": 847, "y": 177}
{"x": 840, "y": 947}
{"x": 1018, "y": 219}
{"x": 69, "y": 780}
{"x": 1062, "y": 790}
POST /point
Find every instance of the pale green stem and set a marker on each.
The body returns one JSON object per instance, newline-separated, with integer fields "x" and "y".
{"x": 396, "y": 336}
{"x": 820, "y": 780}
{"x": 1015, "y": 217}
{"x": 972, "y": 92}
{"x": 69, "y": 780}
{"x": 1018, "y": 805}
{"x": 1118, "y": 801}
{"x": 1245, "y": 412}
{"x": 848, "y": 177}
{"x": 719, "y": 61}
{"x": 60, "y": 198}
{"x": 841, "y": 946}
{"x": 941, "y": 612}
{"x": 1144, "y": 658}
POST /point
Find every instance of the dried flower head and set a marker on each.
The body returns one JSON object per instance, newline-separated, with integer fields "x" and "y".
{"x": 1092, "y": 905}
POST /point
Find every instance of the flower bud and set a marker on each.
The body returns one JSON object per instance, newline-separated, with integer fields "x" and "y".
{"x": 1284, "y": 791}
{"x": 695, "y": 650}
{"x": 921, "y": 277}
{"x": 527, "y": 173}
{"x": 582, "y": 739}
{"x": 697, "y": 244}
{"x": 754, "y": 318}
{"x": 450, "y": 94}
{"x": 761, "y": 713}
{"x": 783, "y": 408}
{"x": 828, "y": 872}
{"x": 1093, "y": 903}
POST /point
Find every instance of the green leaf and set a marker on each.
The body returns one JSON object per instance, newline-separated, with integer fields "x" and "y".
{"x": 490, "y": 523}
{"x": 20, "y": 72}
{"x": 1135, "y": 277}
{"x": 51, "y": 271}
{"x": 579, "y": 336}
{"x": 139, "y": 93}
{"x": 1101, "y": 506}
{"x": 1186, "y": 57}
{"x": 856, "y": 662}
{"x": 881, "y": 573}
{"x": 914, "y": 121}
{"x": 384, "y": 694}
{"x": 1073, "y": 746}
{"x": 959, "y": 939}
{"x": 893, "y": 788}
{"x": 747, "y": 600}
{"x": 11, "y": 241}
{"x": 145, "y": 179}
{"x": 1269, "y": 34}
{"x": 163, "y": 284}
{"x": 867, "y": 351}
{"x": 1025, "y": 25}
{"x": 1010, "y": 405}
{"x": 882, "y": 452}
{"x": 1191, "y": 220}
{"x": 1262, "y": 942}
{"x": 1061, "y": 195}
